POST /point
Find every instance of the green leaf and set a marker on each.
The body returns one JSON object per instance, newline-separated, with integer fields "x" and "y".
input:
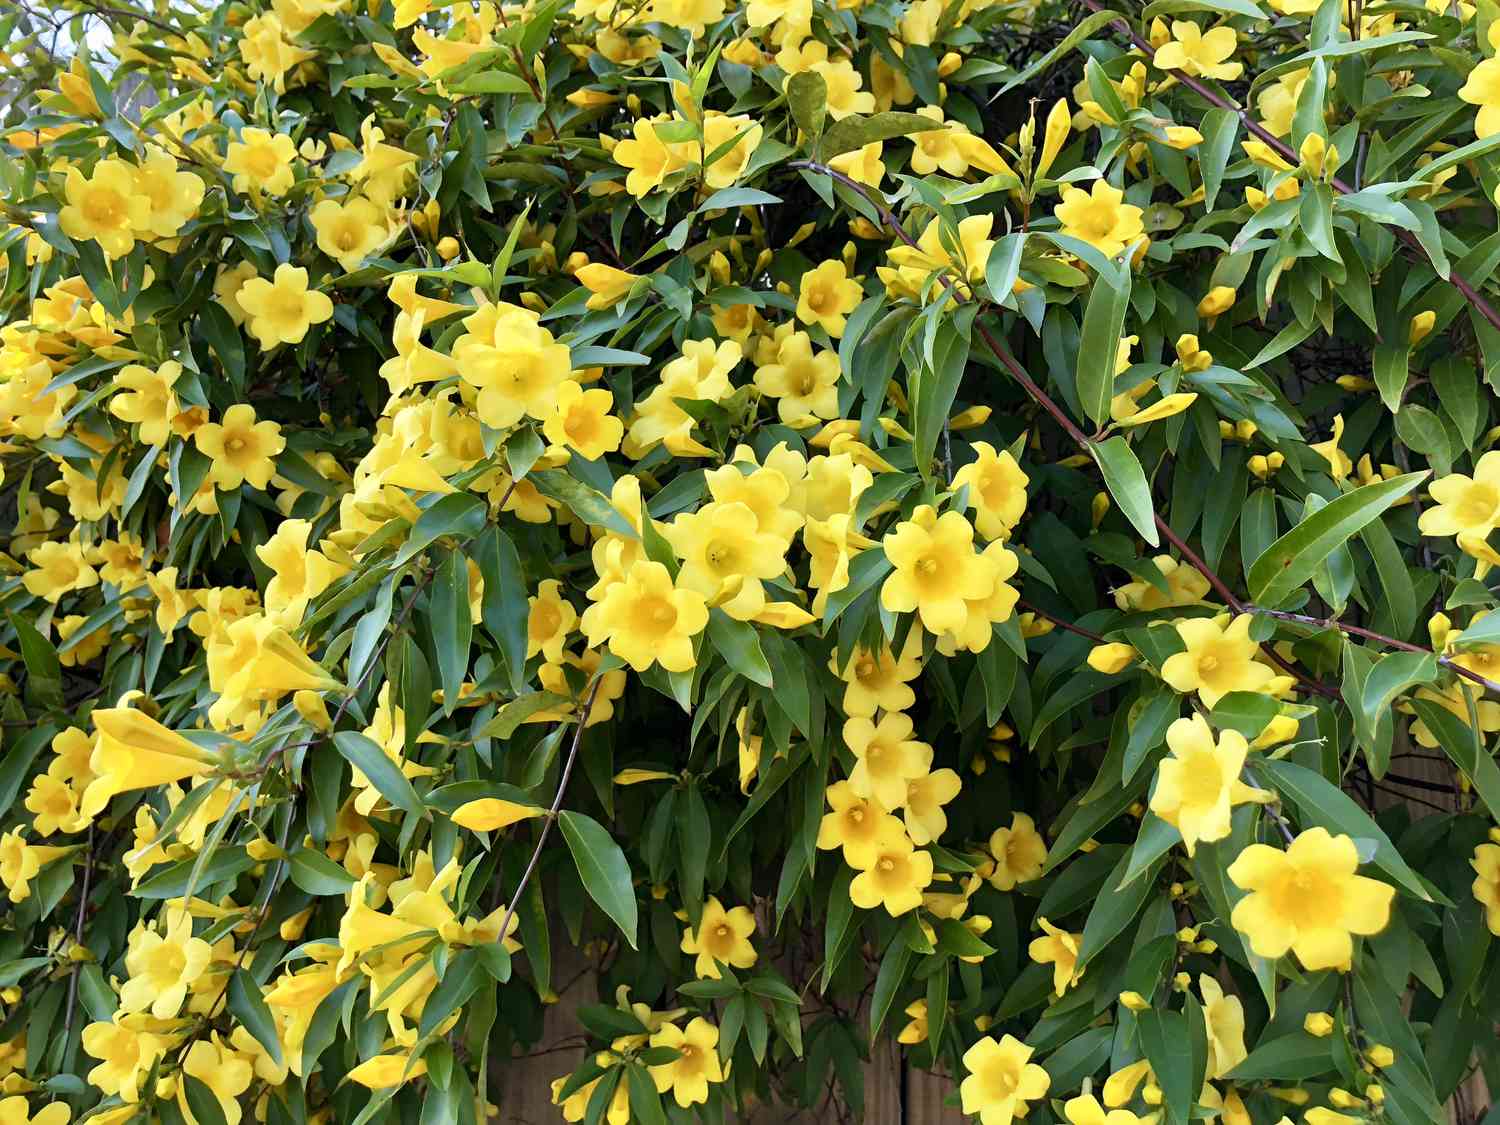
{"x": 1099, "y": 342}
{"x": 739, "y": 644}
{"x": 316, "y": 874}
{"x": 1320, "y": 802}
{"x": 1390, "y": 368}
{"x": 932, "y": 401}
{"x": 854, "y": 131}
{"x": 1082, "y": 30}
{"x": 1389, "y": 677}
{"x": 1465, "y": 747}
{"x": 807, "y": 96}
{"x": 1220, "y": 129}
{"x": 249, "y": 1007}
{"x": 458, "y": 514}
{"x": 603, "y": 868}
{"x": 588, "y": 504}
{"x": 1292, "y": 560}
{"x": 1126, "y": 482}
{"x": 365, "y": 755}
{"x": 492, "y": 82}
{"x": 204, "y": 1103}
{"x": 1164, "y": 1037}
{"x": 1287, "y": 1058}
{"x": 460, "y": 980}
{"x": 43, "y": 670}
{"x": 1115, "y": 909}
{"x": 505, "y": 609}
{"x": 1245, "y": 711}
{"x": 888, "y": 980}
{"x": 452, "y": 625}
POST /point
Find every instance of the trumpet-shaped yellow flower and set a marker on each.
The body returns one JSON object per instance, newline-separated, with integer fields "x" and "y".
{"x": 879, "y": 680}
{"x": 886, "y": 758}
{"x": 1486, "y": 864}
{"x": 1200, "y": 54}
{"x": 163, "y": 965}
{"x": 1001, "y": 1080}
{"x": 1100, "y": 217}
{"x": 106, "y": 207}
{"x": 1019, "y": 853}
{"x": 855, "y": 824}
{"x": 896, "y": 876}
{"x": 1059, "y": 949}
{"x": 514, "y": 362}
{"x": 696, "y": 1066}
{"x": 20, "y": 862}
{"x": 240, "y": 448}
{"x": 1219, "y": 658}
{"x": 997, "y": 490}
{"x": 280, "y": 311}
{"x": 721, "y": 937}
{"x": 172, "y": 196}
{"x": 647, "y": 620}
{"x": 1197, "y": 786}
{"x": 261, "y": 161}
{"x": 826, "y": 296}
{"x": 1308, "y": 900}
{"x": 937, "y": 572}
{"x": 349, "y": 232}
{"x": 1463, "y": 505}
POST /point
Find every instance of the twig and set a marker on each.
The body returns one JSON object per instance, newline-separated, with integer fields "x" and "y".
{"x": 1068, "y": 626}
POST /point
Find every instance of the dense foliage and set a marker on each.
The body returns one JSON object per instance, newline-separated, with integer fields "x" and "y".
{"x": 968, "y": 522}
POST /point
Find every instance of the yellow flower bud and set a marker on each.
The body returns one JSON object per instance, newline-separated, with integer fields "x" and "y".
{"x": 448, "y": 248}
{"x": 1421, "y": 327}
{"x": 1381, "y": 1056}
{"x": 1318, "y": 1023}
{"x": 1099, "y": 507}
{"x": 1183, "y": 136}
{"x": 1438, "y": 628}
{"x": 1355, "y": 383}
{"x": 1134, "y": 1001}
{"x": 310, "y": 706}
{"x": 1343, "y": 1099}
{"x": 1111, "y": 658}
{"x": 1219, "y": 300}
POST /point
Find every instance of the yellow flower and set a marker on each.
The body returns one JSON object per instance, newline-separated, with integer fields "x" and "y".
{"x": 57, "y": 569}
{"x": 1225, "y": 1019}
{"x": 223, "y": 1070}
{"x": 240, "y": 448}
{"x": 261, "y": 161}
{"x": 299, "y": 575}
{"x": 886, "y": 758}
{"x": 826, "y": 296}
{"x": 856, "y": 825}
{"x": 1308, "y": 900}
{"x": 550, "y": 620}
{"x": 937, "y": 572}
{"x": 650, "y": 160}
{"x": 147, "y": 399}
{"x": 1219, "y": 659}
{"x": 1001, "y": 1080}
{"x": 1185, "y": 586}
{"x": 831, "y": 544}
{"x": 349, "y": 232}
{"x": 267, "y": 53}
{"x": 173, "y": 196}
{"x": 997, "y": 490}
{"x": 1482, "y": 88}
{"x": 1486, "y": 864}
{"x": 878, "y": 680}
{"x": 514, "y": 361}
{"x": 896, "y": 876}
{"x": 916, "y": 1031}
{"x": 862, "y": 165}
{"x": 15, "y": 1111}
{"x": 1019, "y": 852}
{"x": 381, "y": 1072}
{"x": 1086, "y": 1110}
{"x": 126, "y": 1052}
{"x": 843, "y": 81}
{"x": 1200, "y": 782}
{"x": 1059, "y": 949}
{"x": 925, "y": 797}
{"x": 134, "y": 751}
{"x": 914, "y": 263}
{"x": 722, "y": 936}
{"x": 1100, "y": 217}
{"x": 107, "y": 207}
{"x": 802, "y": 381}
{"x": 721, "y": 169}
{"x": 1218, "y": 300}
{"x": 1200, "y": 54}
{"x": 697, "y": 1063}
{"x": 647, "y": 620}
{"x": 163, "y": 966}
{"x": 726, "y": 556}
{"x": 281, "y": 311}
{"x": 54, "y": 806}
{"x": 20, "y": 862}
{"x": 1059, "y": 126}
{"x": 1465, "y": 505}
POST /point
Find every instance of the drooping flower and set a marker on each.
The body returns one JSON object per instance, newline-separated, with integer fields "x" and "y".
{"x": 1468, "y": 506}
{"x": 1225, "y": 1018}
{"x": 1059, "y": 949}
{"x": 1308, "y": 899}
{"x": 1486, "y": 864}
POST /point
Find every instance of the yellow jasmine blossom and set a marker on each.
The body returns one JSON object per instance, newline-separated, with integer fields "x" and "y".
{"x": 722, "y": 936}
{"x": 1059, "y": 949}
{"x": 1019, "y": 853}
{"x": 240, "y": 448}
{"x": 697, "y": 1064}
{"x": 647, "y": 620}
{"x": 896, "y": 876}
{"x": 997, "y": 490}
{"x": 1201, "y": 54}
{"x": 261, "y": 161}
{"x": 1001, "y": 1080}
{"x": 856, "y": 824}
{"x": 886, "y": 758}
{"x": 1308, "y": 899}
{"x": 1219, "y": 658}
{"x": 1100, "y": 217}
{"x": 936, "y": 570}
{"x": 1199, "y": 783}
{"x": 281, "y": 310}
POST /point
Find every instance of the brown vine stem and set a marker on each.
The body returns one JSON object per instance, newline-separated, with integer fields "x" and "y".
{"x": 1261, "y": 133}
{"x": 557, "y": 800}
{"x": 1067, "y": 626}
{"x": 1379, "y": 638}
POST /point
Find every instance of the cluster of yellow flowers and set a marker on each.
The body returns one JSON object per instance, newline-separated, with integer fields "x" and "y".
{"x": 633, "y": 378}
